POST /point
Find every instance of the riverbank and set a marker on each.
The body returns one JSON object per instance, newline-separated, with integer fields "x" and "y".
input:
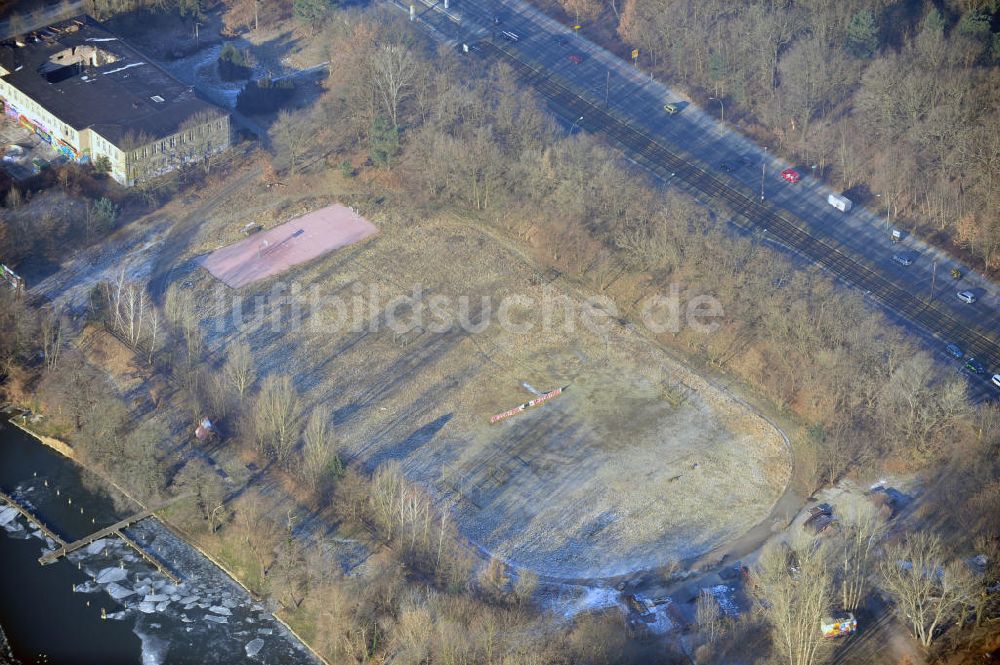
{"x": 206, "y": 617}
{"x": 6, "y": 657}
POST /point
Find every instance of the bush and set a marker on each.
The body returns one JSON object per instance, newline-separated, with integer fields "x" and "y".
{"x": 102, "y": 164}
{"x": 234, "y": 64}
{"x": 311, "y": 12}
{"x": 264, "y": 96}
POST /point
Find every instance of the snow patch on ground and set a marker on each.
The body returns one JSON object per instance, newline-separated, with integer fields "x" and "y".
{"x": 663, "y": 624}
{"x": 723, "y": 596}
{"x": 593, "y": 598}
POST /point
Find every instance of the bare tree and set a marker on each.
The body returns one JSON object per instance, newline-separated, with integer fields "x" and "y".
{"x": 525, "y": 585}
{"x": 276, "y": 415}
{"x": 863, "y": 526}
{"x": 392, "y": 71}
{"x": 239, "y": 369}
{"x": 319, "y": 448}
{"x": 291, "y": 136}
{"x": 929, "y": 591}
{"x": 795, "y": 589}
{"x": 708, "y": 615}
{"x": 52, "y": 337}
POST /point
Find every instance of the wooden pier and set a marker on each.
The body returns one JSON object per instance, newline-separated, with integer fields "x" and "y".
{"x": 66, "y": 548}
{"x": 114, "y": 529}
{"x": 63, "y": 548}
{"x": 32, "y": 519}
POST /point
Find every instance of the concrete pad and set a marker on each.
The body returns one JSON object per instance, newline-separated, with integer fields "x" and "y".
{"x": 274, "y": 251}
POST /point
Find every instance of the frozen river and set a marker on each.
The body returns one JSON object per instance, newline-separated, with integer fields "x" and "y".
{"x": 53, "y": 614}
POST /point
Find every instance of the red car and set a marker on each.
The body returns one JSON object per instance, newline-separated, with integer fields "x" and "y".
{"x": 575, "y": 59}
{"x": 791, "y": 175}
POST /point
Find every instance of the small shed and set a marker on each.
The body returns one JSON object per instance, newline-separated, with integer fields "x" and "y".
{"x": 205, "y": 430}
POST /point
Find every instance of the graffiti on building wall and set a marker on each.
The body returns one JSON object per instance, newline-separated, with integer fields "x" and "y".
{"x": 61, "y": 145}
{"x": 65, "y": 148}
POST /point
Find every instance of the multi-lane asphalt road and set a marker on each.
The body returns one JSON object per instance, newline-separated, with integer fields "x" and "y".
{"x": 592, "y": 89}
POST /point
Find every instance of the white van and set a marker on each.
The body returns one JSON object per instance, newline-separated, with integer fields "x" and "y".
{"x": 841, "y": 203}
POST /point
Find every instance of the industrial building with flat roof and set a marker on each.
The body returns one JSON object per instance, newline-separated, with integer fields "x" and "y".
{"x": 91, "y": 95}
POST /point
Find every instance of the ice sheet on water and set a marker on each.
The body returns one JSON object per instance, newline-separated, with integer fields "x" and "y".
{"x": 216, "y": 619}
{"x": 154, "y": 648}
{"x": 254, "y": 646}
{"x": 108, "y": 575}
{"x": 7, "y": 514}
{"x": 156, "y": 598}
{"x": 86, "y": 587}
{"x": 190, "y": 600}
{"x": 224, "y": 611}
{"x": 147, "y": 607}
{"x": 117, "y": 591}
{"x": 97, "y": 546}
{"x": 162, "y": 606}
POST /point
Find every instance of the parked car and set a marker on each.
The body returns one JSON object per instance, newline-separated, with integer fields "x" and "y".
{"x": 575, "y": 58}
{"x": 954, "y": 350}
{"x": 967, "y": 297}
{"x": 902, "y": 259}
{"x": 996, "y": 380}
{"x": 974, "y": 366}
{"x": 671, "y": 108}
{"x": 791, "y": 175}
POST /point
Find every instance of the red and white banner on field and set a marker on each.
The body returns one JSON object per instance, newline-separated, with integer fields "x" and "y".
{"x": 527, "y": 405}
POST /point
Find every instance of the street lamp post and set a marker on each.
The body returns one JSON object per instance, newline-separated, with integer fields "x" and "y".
{"x": 763, "y": 161}
{"x": 886, "y": 197}
{"x": 721, "y": 106}
{"x": 575, "y": 123}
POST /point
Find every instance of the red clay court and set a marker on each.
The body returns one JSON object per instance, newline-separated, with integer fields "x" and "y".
{"x": 274, "y": 251}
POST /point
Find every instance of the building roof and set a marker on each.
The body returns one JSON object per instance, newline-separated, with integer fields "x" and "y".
{"x": 89, "y": 78}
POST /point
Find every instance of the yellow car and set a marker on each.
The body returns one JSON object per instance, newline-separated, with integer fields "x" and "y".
{"x": 671, "y": 108}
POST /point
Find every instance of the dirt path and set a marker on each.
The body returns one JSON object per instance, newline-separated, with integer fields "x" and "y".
{"x": 176, "y": 242}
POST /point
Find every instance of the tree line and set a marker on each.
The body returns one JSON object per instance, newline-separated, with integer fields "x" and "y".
{"x": 894, "y": 102}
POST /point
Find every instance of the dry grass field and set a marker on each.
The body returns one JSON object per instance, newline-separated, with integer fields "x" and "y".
{"x": 639, "y": 462}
